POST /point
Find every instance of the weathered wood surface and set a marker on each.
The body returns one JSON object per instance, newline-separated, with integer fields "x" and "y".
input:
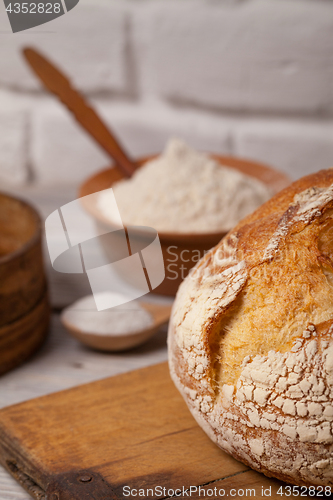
{"x": 133, "y": 431}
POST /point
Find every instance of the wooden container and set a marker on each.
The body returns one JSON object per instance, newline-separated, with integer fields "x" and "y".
{"x": 181, "y": 251}
{"x": 24, "y": 309}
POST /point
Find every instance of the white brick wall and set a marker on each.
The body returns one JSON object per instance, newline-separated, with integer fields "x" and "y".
{"x": 89, "y": 43}
{"x": 14, "y": 157}
{"x": 296, "y": 147}
{"x": 62, "y": 151}
{"x": 252, "y": 78}
{"x": 253, "y": 55}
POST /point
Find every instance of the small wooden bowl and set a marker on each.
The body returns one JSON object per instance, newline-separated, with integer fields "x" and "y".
{"x": 24, "y": 309}
{"x": 181, "y": 251}
{"x": 121, "y": 342}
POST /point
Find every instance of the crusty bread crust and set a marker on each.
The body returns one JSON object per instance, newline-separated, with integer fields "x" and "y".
{"x": 251, "y": 336}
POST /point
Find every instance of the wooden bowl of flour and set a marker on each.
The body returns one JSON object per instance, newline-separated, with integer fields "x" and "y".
{"x": 24, "y": 308}
{"x": 180, "y": 251}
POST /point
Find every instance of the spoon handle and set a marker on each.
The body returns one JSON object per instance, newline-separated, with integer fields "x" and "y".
{"x": 57, "y": 83}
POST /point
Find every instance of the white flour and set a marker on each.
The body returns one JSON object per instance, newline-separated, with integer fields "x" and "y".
{"x": 185, "y": 191}
{"x": 126, "y": 318}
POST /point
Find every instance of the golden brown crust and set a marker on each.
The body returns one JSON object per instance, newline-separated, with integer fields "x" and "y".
{"x": 250, "y": 340}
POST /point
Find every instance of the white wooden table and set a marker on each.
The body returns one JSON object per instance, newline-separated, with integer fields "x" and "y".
{"x": 63, "y": 362}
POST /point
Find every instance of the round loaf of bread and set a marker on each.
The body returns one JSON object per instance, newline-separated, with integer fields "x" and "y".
{"x": 251, "y": 336}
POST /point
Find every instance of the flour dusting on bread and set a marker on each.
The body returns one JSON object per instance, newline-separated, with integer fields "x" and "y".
{"x": 308, "y": 203}
{"x": 251, "y": 337}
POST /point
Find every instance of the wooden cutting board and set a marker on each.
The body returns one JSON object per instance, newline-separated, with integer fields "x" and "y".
{"x": 132, "y": 430}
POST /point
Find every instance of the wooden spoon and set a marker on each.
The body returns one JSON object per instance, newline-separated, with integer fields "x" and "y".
{"x": 121, "y": 341}
{"x": 57, "y": 83}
